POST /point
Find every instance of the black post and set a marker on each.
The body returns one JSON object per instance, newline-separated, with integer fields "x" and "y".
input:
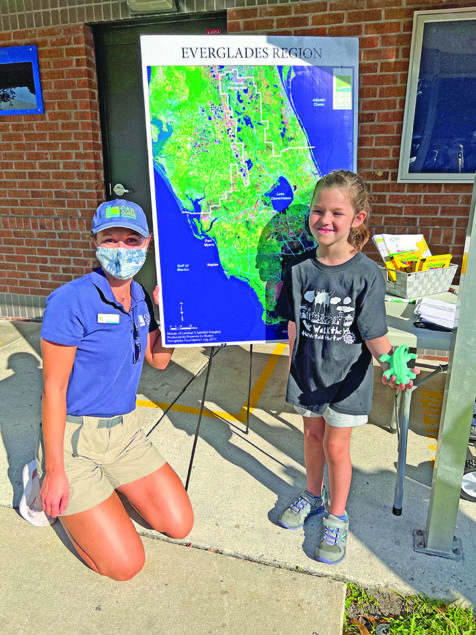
{"x": 199, "y": 418}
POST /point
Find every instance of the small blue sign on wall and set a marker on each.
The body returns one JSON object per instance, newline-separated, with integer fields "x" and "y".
{"x": 20, "y": 88}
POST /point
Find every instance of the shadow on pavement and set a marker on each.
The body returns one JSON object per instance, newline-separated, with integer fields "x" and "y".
{"x": 20, "y": 396}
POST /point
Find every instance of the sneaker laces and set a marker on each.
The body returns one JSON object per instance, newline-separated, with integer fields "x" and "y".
{"x": 331, "y": 535}
{"x": 300, "y": 504}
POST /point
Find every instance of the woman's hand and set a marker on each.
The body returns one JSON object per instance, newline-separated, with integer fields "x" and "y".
{"x": 55, "y": 493}
{"x": 157, "y": 355}
{"x": 156, "y": 295}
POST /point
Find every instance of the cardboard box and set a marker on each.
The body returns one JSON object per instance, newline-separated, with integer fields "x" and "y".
{"x": 420, "y": 283}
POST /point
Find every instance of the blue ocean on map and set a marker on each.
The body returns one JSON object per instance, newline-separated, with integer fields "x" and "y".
{"x": 309, "y": 91}
{"x": 202, "y": 300}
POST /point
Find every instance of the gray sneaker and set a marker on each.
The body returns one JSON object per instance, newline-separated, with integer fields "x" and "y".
{"x": 302, "y": 508}
{"x": 331, "y": 549}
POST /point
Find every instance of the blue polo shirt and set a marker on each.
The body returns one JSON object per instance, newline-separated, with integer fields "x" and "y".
{"x": 84, "y": 313}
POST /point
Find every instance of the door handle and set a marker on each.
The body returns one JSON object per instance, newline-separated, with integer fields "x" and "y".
{"x": 119, "y": 190}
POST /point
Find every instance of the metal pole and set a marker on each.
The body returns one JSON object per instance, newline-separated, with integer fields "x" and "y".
{"x": 456, "y": 415}
{"x": 249, "y": 392}
{"x": 402, "y": 418}
{"x": 402, "y": 448}
{"x": 199, "y": 418}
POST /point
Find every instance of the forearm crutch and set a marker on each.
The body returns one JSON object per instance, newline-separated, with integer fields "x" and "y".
{"x": 402, "y": 419}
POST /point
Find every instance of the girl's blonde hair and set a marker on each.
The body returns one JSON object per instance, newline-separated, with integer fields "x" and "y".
{"x": 357, "y": 190}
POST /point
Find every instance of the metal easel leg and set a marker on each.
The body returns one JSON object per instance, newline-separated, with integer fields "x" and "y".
{"x": 199, "y": 417}
{"x": 249, "y": 392}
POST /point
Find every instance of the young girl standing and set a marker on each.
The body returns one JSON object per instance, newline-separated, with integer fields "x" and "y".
{"x": 334, "y": 300}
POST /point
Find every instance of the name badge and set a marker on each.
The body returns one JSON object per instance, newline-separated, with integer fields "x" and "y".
{"x": 108, "y": 318}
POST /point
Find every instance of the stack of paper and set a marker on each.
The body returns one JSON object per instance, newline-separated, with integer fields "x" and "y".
{"x": 389, "y": 244}
{"x": 436, "y": 312}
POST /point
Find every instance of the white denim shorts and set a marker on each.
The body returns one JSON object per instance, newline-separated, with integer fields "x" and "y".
{"x": 335, "y": 419}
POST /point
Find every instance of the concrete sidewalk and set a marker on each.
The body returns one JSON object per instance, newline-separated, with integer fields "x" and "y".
{"x": 239, "y": 484}
{"x": 46, "y": 589}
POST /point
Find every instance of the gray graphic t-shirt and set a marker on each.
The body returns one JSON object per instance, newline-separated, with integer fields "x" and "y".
{"x": 335, "y": 308}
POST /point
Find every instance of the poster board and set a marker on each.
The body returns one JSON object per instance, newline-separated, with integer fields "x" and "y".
{"x": 239, "y": 129}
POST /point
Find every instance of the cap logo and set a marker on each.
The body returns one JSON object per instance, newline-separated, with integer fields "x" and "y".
{"x": 112, "y": 211}
{"x": 128, "y": 211}
{"x": 123, "y": 210}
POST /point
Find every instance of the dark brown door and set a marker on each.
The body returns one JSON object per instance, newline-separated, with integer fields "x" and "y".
{"x": 122, "y": 103}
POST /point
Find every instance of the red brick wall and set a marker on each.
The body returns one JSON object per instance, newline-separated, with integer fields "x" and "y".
{"x": 51, "y": 176}
{"x": 51, "y": 171}
{"x": 384, "y": 28}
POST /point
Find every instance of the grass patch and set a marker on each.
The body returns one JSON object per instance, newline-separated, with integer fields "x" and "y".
{"x": 389, "y": 613}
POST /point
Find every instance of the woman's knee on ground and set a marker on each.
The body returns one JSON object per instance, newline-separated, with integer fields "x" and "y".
{"x": 105, "y": 538}
{"x": 183, "y": 525}
{"x": 124, "y": 566}
{"x": 178, "y": 522}
{"x": 160, "y": 498}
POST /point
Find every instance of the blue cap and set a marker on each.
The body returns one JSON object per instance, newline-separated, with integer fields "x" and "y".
{"x": 120, "y": 213}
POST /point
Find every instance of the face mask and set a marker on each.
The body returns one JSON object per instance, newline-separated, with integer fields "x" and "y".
{"x": 121, "y": 263}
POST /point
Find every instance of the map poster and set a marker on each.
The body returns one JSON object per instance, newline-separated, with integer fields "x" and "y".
{"x": 239, "y": 130}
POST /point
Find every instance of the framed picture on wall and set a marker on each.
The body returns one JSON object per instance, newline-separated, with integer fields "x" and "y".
{"x": 20, "y": 88}
{"x": 439, "y": 127}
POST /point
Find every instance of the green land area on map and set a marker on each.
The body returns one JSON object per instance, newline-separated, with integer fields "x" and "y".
{"x": 225, "y": 137}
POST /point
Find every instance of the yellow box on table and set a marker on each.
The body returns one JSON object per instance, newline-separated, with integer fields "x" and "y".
{"x": 419, "y": 283}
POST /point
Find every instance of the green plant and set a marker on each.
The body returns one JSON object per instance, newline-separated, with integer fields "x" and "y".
{"x": 390, "y": 613}
{"x": 435, "y": 617}
{"x": 358, "y": 597}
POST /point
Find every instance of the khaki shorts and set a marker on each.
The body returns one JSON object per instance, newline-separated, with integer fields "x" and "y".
{"x": 335, "y": 419}
{"x": 100, "y": 455}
